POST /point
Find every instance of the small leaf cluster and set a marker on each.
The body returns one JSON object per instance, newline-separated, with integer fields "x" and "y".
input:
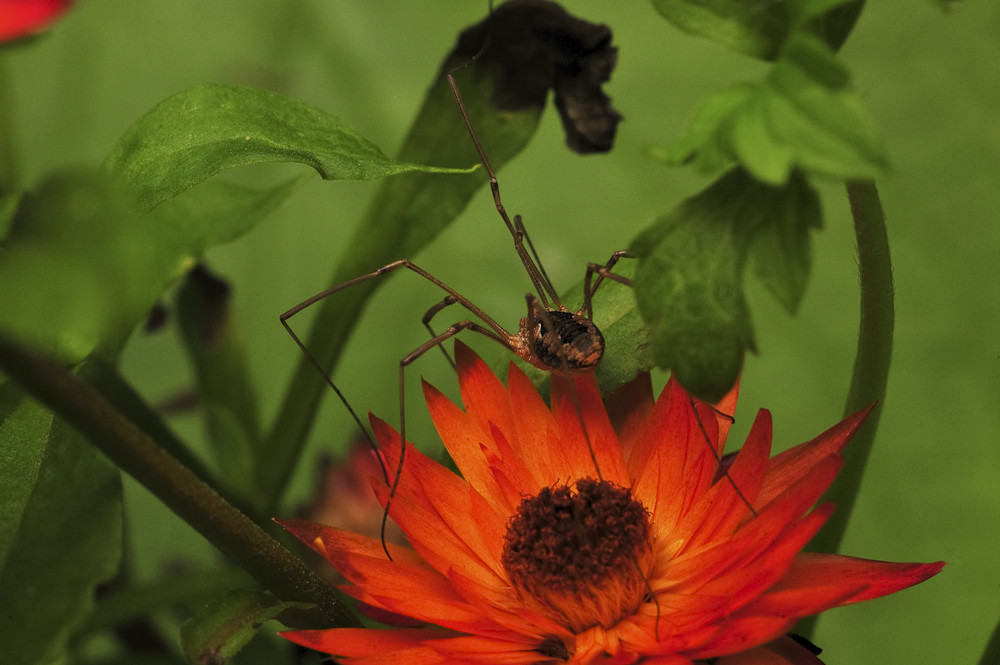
{"x": 770, "y": 139}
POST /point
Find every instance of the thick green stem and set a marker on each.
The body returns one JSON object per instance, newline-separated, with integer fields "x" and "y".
{"x": 232, "y": 532}
{"x": 871, "y": 364}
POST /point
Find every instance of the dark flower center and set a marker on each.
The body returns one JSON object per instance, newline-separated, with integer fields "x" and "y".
{"x": 579, "y": 550}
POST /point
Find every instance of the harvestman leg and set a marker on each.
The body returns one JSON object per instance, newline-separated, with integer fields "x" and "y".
{"x": 409, "y": 358}
{"x": 429, "y": 314}
{"x": 492, "y": 329}
{"x": 590, "y": 285}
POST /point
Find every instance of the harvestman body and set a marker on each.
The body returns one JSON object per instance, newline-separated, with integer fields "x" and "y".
{"x": 551, "y": 337}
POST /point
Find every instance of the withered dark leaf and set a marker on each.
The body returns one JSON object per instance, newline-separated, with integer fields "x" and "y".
{"x": 210, "y": 302}
{"x": 157, "y": 319}
{"x": 530, "y": 46}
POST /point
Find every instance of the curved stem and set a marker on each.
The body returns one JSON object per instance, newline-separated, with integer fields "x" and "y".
{"x": 871, "y": 364}
{"x": 232, "y": 532}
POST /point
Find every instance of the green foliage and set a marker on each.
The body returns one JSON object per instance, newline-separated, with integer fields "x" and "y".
{"x": 60, "y": 532}
{"x": 208, "y": 129}
{"x": 86, "y": 252}
{"x": 801, "y": 121}
{"x": 82, "y": 267}
{"x": 221, "y": 630}
{"x": 760, "y": 28}
{"x": 802, "y": 115}
{"x": 689, "y": 284}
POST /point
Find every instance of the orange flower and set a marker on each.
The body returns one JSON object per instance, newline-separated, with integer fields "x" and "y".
{"x": 22, "y": 17}
{"x": 535, "y": 557}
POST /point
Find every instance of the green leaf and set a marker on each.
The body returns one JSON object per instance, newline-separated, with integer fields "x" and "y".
{"x": 64, "y": 262}
{"x": 185, "y": 590}
{"x": 80, "y": 268}
{"x": 60, "y": 533}
{"x": 781, "y": 248}
{"x": 628, "y": 347}
{"x": 221, "y": 630}
{"x": 211, "y": 214}
{"x": 760, "y": 28}
{"x": 202, "y": 131}
{"x": 754, "y": 27}
{"x": 706, "y": 143}
{"x": 804, "y": 115}
{"x": 689, "y": 282}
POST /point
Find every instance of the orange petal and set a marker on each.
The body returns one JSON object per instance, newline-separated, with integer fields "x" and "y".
{"x": 503, "y": 606}
{"x": 672, "y": 659}
{"x": 745, "y": 567}
{"x": 871, "y": 578}
{"x": 787, "y": 467}
{"x": 325, "y": 540}
{"x": 724, "y": 410}
{"x": 672, "y": 464}
{"x": 628, "y": 408}
{"x": 466, "y": 442}
{"x": 745, "y": 633}
{"x": 407, "y": 585}
{"x": 529, "y": 440}
{"x": 427, "y": 507}
{"x": 436, "y": 540}
{"x": 23, "y": 18}
{"x": 782, "y": 651}
{"x": 444, "y": 521}
{"x": 480, "y": 649}
{"x": 727, "y": 503}
{"x": 363, "y": 645}
{"x": 484, "y": 396}
{"x": 513, "y": 478}
{"x": 586, "y": 435}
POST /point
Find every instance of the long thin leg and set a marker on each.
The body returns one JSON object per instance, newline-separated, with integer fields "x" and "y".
{"x": 400, "y": 263}
{"x": 718, "y": 455}
{"x": 542, "y": 286}
{"x": 430, "y": 314}
{"x": 409, "y": 358}
{"x": 591, "y": 285}
{"x": 315, "y": 363}
{"x": 497, "y": 332}
{"x": 523, "y": 233}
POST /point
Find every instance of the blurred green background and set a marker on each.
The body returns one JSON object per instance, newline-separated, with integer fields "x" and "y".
{"x": 932, "y": 82}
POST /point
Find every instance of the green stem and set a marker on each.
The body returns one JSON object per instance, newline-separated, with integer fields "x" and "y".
{"x": 123, "y": 397}
{"x": 232, "y": 532}
{"x": 871, "y": 364}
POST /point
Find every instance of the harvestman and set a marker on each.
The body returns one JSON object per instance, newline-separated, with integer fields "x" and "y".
{"x": 551, "y": 337}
